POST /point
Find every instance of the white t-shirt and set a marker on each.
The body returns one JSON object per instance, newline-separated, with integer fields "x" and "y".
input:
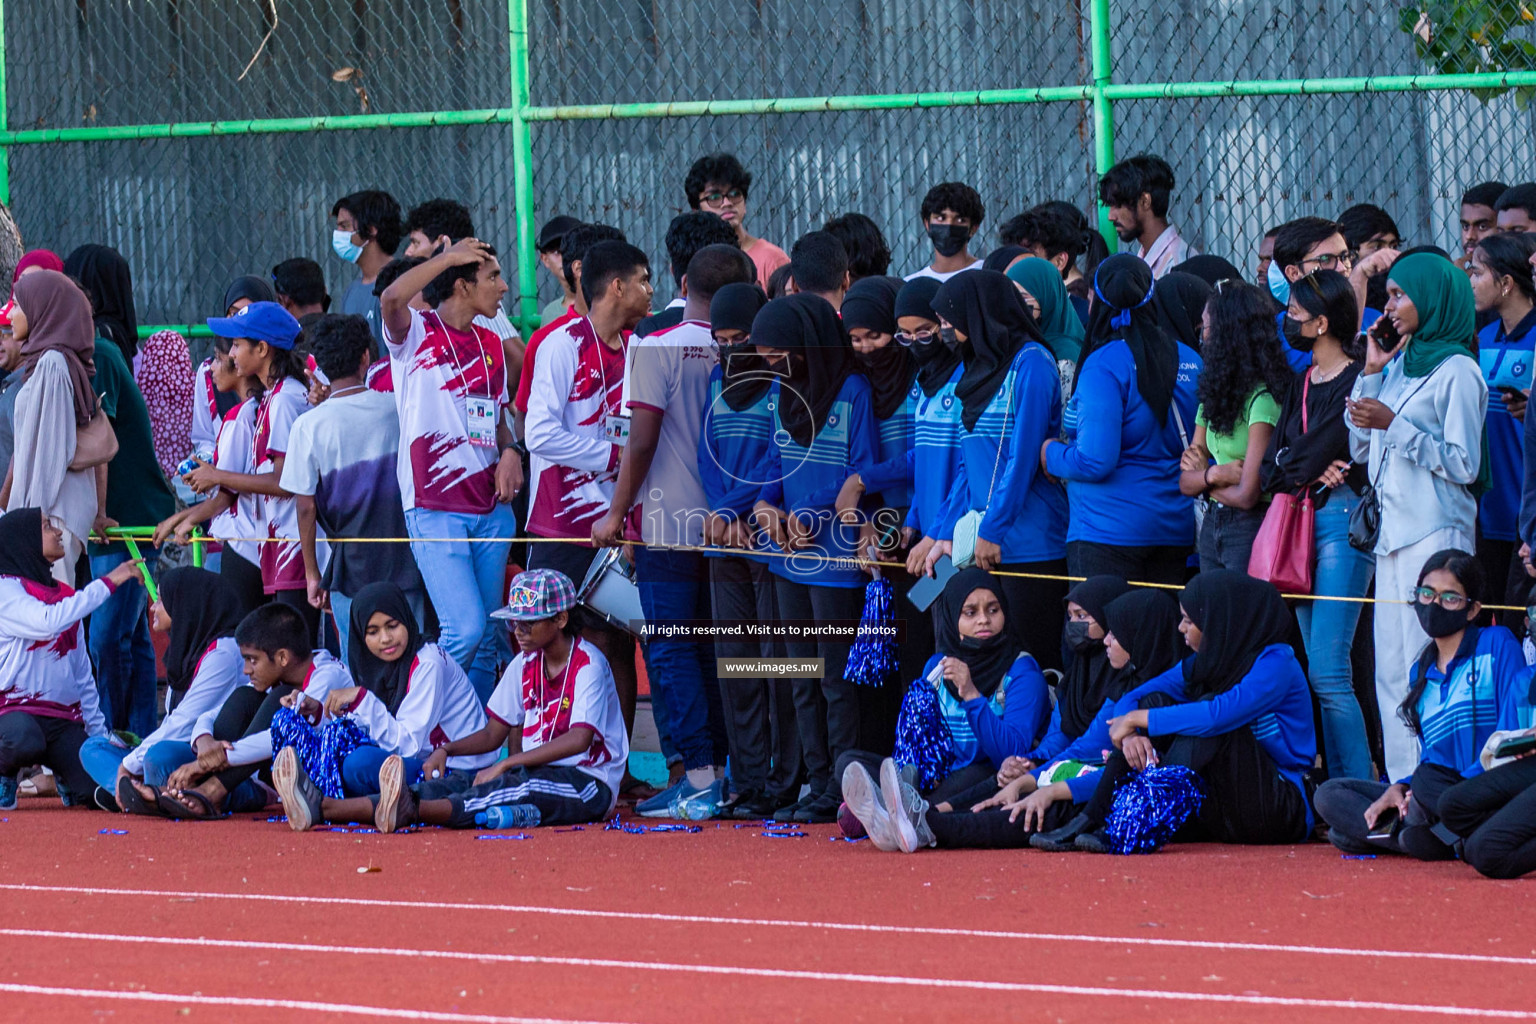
{"x": 669, "y": 373}
{"x": 928, "y": 271}
{"x": 236, "y": 453}
{"x": 325, "y": 674}
{"x": 282, "y": 565}
{"x": 205, "y": 408}
{"x": 582, "y": 694}
{"x": 436, "y": 371}
{"x": 439, "y": 706}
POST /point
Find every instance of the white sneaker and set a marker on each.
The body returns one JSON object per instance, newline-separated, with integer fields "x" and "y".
{"x": 906, "y": 808}
{"x": 863, "y": 799}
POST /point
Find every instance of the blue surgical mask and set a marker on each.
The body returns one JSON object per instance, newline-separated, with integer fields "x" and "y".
{"x": 1279, "y": 287}
{"x": 341, "y": 242}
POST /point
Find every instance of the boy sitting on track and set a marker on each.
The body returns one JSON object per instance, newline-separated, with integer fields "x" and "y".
{"x": 567, "y": 768}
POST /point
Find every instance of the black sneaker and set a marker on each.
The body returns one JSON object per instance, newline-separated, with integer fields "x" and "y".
{"x": 105, "y": 801}
{"x": 1064, "y": 839}
{"x": 820, "y": 811}
{"x": 752, "y": 807}
{"x": 1096, "y": 841}
{"x": 785, "y": 815}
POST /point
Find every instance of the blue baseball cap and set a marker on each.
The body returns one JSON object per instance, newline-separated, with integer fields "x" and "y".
{"x": 259, "y": 321}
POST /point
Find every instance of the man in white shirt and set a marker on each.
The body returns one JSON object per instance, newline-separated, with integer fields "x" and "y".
{"x": 951, "y": 213}
{"x": 1137, "y": 193}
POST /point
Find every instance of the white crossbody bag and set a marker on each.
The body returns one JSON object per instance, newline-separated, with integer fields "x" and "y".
{"x": 968, "y": 527}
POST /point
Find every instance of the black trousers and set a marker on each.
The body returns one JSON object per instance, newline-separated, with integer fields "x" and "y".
{"x": 759, "y": 713}
{"x": 245, "y": 712}
{"x": 1495, "y": 813}
{"x": 245, "y": 578}
{"x": 298, "y": 600}
{"x": 1342, "y": 804}
{"x": 826, "y": 710}
{"x": 564, "y": 796}
{"x": 1247, "y": 800}
{"x": 52, "y": 742}
{"x": 962, "y": 829}
{"x": 1037, "y": 608}
{"x": 1155, "y": 563}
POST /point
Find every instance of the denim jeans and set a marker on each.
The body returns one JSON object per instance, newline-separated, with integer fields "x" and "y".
{"x": 1226, "y": 538}
{"x": 466, "y": 581}
{"x": 1328, "y": 630}
{"x": 360, "y": 770}
{"x": 674, "y": 587}
{"x": 122, "y": 650}
{"x": 341, "y": 611}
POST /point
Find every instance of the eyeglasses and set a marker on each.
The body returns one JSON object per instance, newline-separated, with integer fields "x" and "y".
{"x": 1330, "y": 260}
{"x": 717, "y": 198}
{"x": 920, "y": 338}
{"x": 1447, "y": 599}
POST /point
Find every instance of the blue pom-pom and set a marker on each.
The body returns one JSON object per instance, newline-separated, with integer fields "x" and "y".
{"x": 922, "y": 739}
{"x": 872, "y": 661}
{"x": 321, "y": 750}
{"x": 1150, "y": 806}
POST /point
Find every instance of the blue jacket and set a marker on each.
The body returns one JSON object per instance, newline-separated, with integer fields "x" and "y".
{"x": 1121, "y": 468}
{"x": 733, "y": 453}
{"x": 1485, "y": 688}
{"x": 1088, "y": 748}
{"x": 1024, "y": 513}
{"x": 935, "y": 454}
{"x": 1273, "y": 700}
{"x": 807, "y": 480}
{"x": 1002, "y": 727}
{"x": 891, "y": 478}
{"x": 1506, "y": 361}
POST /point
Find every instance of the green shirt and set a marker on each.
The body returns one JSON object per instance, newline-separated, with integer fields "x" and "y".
{"x": 1224, "y": 448}
{"x": 137, "y": 491}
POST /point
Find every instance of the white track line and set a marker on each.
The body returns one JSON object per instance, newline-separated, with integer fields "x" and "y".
{"x": 890, "y": 929}
{"x": 767, "y": 972}
{"x": 386, "y": 1012}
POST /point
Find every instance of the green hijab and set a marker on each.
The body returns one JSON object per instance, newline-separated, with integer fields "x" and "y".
{"x": 1442, "y": 294}
{"x": 1447, "y": 314}
{"x": 1059, "y": 324}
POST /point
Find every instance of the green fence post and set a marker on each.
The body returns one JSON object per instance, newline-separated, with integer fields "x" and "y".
{"x": 1103, "y": 113}
{"x": 522, "y": 167}
{"x": 5, "y": 122}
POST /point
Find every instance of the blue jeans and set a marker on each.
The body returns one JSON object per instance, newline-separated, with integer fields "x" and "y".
{"x": 465, "y": 581}
{"x": 1328, "y": 630}
{"x": 341, "y": 611}
{"x": 122, "y": 650}
{"x": 674, "y": 587}
{"x": 101, "y": 758}
{"x": 360, "y": 770}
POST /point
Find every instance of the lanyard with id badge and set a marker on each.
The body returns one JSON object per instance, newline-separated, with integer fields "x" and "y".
{"x": 480, "y": 414}
{"x": 616, "y": 424}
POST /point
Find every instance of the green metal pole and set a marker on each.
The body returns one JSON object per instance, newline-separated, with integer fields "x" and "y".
{"x": 1102, "y": 56}
{"x": 5, "y": 121}
{"x": 522, "y": 167}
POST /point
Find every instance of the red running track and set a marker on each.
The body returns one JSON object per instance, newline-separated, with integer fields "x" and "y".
{"x": 244, "y": 920}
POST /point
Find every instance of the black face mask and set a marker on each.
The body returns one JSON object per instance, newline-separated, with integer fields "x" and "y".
{"x": 1078, "y": 638}
{"x": 1438, "y": 621}
{"x": 949, "y": 338}
{"x": 948, "y": 239}
{"x": 1291, "y": 328}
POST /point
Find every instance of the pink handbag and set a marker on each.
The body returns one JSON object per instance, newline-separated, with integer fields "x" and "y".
{"x": 1286, "y": 546}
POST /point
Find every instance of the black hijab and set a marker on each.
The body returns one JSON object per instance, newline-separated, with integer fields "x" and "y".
{"x": 807, "y": 326}
{"x": 1146, "y": 624}
{"x": 250, "y": 287}
{"x": 733, "y": 308}
{"x": 1211, "y": 269}
{"x": 985, "y": 307}
{"x": 1124, "y": 311}
{"x": 871, "y": 304}
{"x": 988, "y": 659}
{"x": 1179, "y": 300}
{"x": 387, "y": 680}
{"x": 1090, "y": 679}
{"x": 21, "y": 547}
{"x": 999, "y": 258}
{"x": 936, "y": 361}
{"x": 104, "y": 274}
{"x": 1238, "y": 617}
{"x": 203, "y": 608}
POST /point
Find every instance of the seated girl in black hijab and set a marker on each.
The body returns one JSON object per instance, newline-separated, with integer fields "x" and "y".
{"x": 1238, "y": 713}
{"x": 981, "y": 700}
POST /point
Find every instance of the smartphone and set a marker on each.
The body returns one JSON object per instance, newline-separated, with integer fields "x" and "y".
{"x": 1515, "y": 746}
{"x": 1385, "y": 333}
{"x": 1511, "y": 394}
{"x": 1385, "y": 825}
{"x": 927, "y": 590}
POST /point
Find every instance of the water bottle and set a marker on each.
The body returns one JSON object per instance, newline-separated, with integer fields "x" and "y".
{"x": 508, "y": 816}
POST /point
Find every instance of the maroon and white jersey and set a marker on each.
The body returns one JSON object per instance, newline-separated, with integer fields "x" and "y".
{"x": 437, "y": 371}
{"x": 236, "y": 452}
{"x": 439, "y": 706}
{"x": 282, "y": 564}
{"x": 582, "y": 694}
{"x": 578, "y": 383}
{"x": 44, "y": 668}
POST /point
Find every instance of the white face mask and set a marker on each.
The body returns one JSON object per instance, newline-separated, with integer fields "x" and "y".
{"x": 341, "y": 242}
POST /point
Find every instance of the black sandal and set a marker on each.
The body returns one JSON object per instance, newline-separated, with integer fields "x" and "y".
{"x": 130, "y": 801}
{"x": 174, "y": 808}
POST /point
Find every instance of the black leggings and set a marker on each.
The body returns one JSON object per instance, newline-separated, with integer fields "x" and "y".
{"x": 961, "y": 780}
{"x": 52, "y": 742}
{"x": 1495, "y": 813}
{"x": 1342, "y": 804}
{"x": 826, "y": 709}
{"x": 962, "y": 829}
{"x": 1247, "y": 800}
{"x": 247, "y": 711}
{"x": 1037, "y": 608}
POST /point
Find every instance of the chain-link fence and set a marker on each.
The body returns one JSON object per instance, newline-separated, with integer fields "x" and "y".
{"x": 206, "y": 140}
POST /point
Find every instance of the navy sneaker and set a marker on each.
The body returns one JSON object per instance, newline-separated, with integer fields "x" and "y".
{"x": 660, "y": 805}
{"x": 8, "y": 786}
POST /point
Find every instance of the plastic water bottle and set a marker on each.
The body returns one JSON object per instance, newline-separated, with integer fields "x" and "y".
{"x": 508, "y": 816}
